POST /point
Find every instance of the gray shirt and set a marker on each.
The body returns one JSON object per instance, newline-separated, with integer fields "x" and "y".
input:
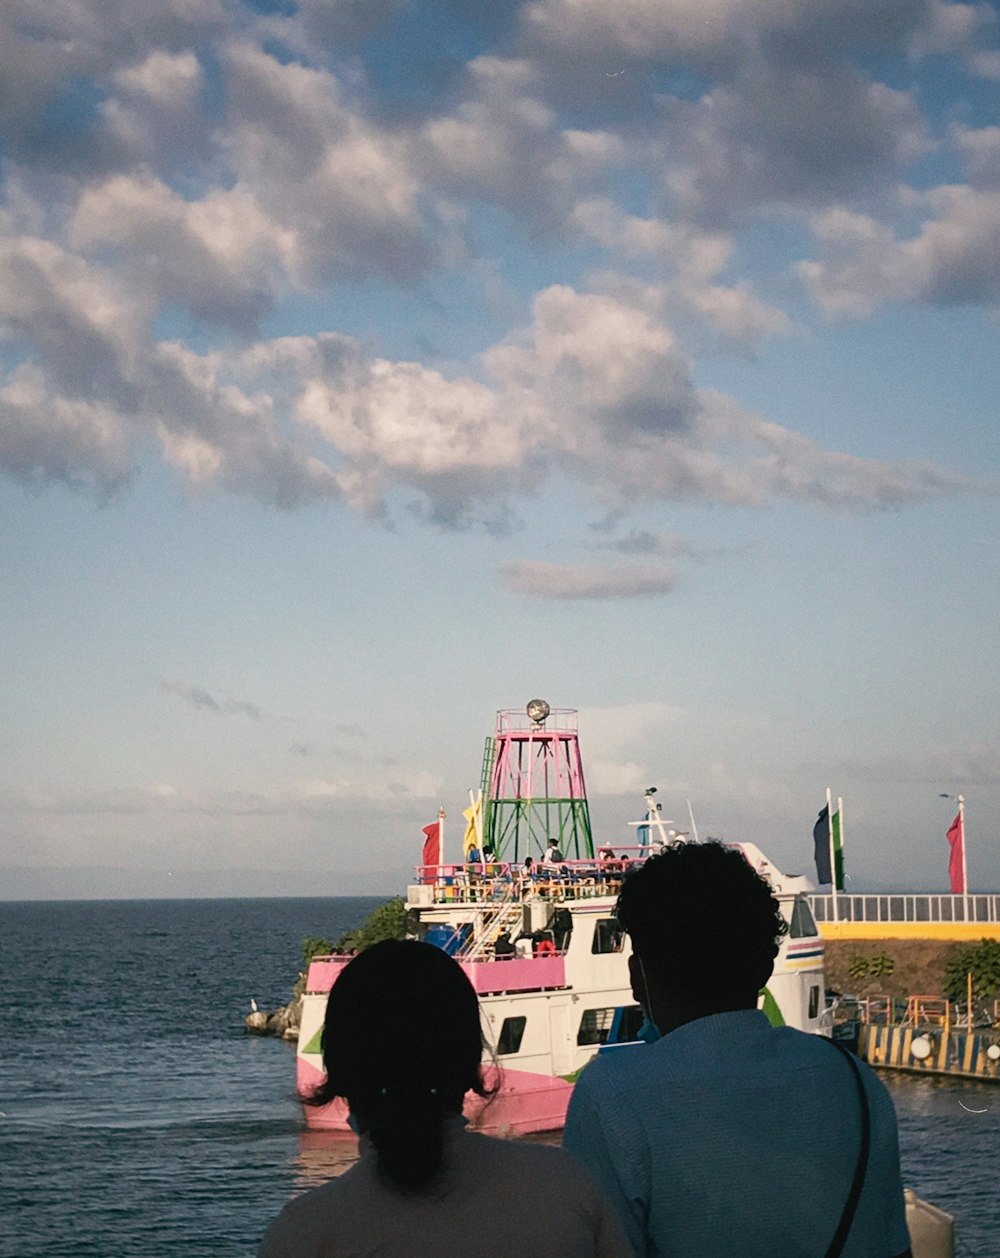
{"x": 497, "y": 1199}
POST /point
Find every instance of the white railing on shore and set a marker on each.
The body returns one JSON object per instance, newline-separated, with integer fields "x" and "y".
{"x": 906, "y": 908}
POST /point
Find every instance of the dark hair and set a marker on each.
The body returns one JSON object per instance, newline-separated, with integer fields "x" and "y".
{"x": 402, "y": 1043}
{"x": 704, "y": 923}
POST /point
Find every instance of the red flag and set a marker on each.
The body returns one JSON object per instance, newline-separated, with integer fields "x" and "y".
{"x": 432, "y": 844}
{"x": 956, "y": 861}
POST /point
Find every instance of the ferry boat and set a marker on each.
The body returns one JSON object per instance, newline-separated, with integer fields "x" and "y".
{"x": 540, "y": 941}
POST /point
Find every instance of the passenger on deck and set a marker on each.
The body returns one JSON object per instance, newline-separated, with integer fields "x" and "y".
{"x": 723, "y": 1135}
{"x": 610, "y": 867}
{"x": 553, "y": 856}
{"x": 472, "y": 856}
{"x": 402, "y": 1043}
{"x": 503, "y": 948}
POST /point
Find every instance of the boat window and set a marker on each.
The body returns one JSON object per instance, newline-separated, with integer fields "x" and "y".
{"x": 511, "y": 1034}
{"x": 609, "y": 935}
{"x": 595, "y": 1026}
{"x": 813, "y": 1002}
{"x": 803, "y": 923}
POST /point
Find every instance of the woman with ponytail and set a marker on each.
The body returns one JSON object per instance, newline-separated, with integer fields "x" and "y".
{"x": 402, "y": 1044}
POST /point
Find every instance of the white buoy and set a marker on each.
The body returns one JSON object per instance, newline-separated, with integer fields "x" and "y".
{"x": 921, "y": 1048}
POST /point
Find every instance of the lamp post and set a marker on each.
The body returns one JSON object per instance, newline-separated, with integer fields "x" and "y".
{"x": 960, "y": 800}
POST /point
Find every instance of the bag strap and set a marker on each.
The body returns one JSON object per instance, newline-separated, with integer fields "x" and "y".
{"x": 851, "y": 1204}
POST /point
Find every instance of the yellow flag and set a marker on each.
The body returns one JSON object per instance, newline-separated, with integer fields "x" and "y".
{"x": 472, "y": 815}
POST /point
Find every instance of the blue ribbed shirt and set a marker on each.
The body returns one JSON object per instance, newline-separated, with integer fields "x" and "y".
{"x": 732, "y": 1137}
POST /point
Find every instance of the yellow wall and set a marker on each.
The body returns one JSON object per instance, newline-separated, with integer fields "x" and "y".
{"x": 971, "y": 931}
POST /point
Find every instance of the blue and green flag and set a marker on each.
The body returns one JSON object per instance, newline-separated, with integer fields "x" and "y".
{"x": 824, "y": 848}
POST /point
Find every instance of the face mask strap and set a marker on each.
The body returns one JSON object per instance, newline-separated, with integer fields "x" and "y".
{"x": 649, "y": 1032}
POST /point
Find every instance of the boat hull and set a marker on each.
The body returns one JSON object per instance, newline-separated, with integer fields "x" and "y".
{"x": 520, "y": 1103}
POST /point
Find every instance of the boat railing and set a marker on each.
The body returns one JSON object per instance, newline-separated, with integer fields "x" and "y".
{"x": 977, "y": 907}
{"x": 534, "y": 971}
{"x": 500, "y": 881}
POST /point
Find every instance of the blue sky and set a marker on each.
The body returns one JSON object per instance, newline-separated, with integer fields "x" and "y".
{"x": 368, "y": 367}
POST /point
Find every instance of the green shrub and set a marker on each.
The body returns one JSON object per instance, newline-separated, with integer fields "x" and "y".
{"x": 388, "y": 921}
{"x": 881, "y": 965}
{"x": 858, "y": 967}
{"x": 982, "y": 960}
{"x": 314, "y": 947}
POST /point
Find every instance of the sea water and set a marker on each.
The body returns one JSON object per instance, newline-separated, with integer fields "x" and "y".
{"x": 138, "y": 1120}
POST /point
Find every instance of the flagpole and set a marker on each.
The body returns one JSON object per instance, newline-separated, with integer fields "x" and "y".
{"x": 833, "y": 857}
{"x": 694, "y": 828}
{"x": 441, "y": 815}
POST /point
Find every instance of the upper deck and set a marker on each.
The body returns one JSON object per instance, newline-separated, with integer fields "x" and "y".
{"x": 499, "y": 880}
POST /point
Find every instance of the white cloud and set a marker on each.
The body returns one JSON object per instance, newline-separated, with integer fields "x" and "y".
{"x": 779, "y": 138}
{"x": 696, "y": 256}
{"x": 951, "y": 28}
{"x": 218, "y": 255}
{"x": 232, "y": 175}
{"x": 980, "y": 149}
{"x": 343, "y": 187}
{"x": 613, "y": 778}
{"x": 154, "y": 116}
{"x": 624, "y": 746}
{"x": 739, "y": 318}
{"x": 45, "y": 437}
{"x": 596, "y": 385}
{"x": 986, "y": 64}
{"x": 393, "y": 793}
{"x": 92, "y": 380}
{"x": 46, "y": 47}
{"x": 955, "y": 257}
{"x": 503, "y": 143}
{"x": 692, "y": 33}
{"x": 541, "y": 579}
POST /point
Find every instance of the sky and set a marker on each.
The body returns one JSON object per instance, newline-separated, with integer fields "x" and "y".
{"x": 368, "y": 366}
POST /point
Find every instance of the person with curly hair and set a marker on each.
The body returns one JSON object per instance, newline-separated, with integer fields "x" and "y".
{"x": 724, "y": 1135}
{"x": 402, "y": 1044}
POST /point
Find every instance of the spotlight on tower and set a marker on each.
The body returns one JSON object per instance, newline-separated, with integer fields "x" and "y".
{"x": 538, "y": 710}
